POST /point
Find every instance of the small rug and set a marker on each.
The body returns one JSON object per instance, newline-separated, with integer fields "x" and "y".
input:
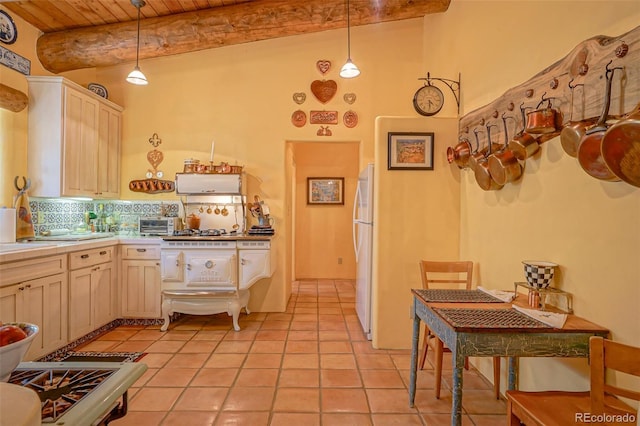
{"x": 101, "y": 357}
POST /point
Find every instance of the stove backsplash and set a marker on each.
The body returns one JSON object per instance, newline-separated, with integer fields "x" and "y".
{"x": 119, "y": 216}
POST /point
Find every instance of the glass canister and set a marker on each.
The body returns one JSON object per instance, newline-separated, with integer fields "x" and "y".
{"x": 191, "y": 165}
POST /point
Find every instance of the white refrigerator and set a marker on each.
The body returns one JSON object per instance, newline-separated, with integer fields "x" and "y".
{"x": 363, "y": 245}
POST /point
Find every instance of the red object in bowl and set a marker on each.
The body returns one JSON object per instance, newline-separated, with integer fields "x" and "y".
{"x": 11, "y": 334}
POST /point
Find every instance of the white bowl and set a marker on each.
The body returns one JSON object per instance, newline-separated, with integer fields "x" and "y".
{"x": 539, "y": 273}
{"x": 11, "y": 355}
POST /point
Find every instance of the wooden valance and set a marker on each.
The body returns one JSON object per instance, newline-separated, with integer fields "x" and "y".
{"x": 12, "y": 99}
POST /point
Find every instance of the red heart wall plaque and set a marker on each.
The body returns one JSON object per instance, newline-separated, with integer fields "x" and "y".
{"x": 324, "y": 90}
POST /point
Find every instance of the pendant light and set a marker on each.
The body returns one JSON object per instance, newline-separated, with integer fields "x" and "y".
{"x": 349, "y": 69}
{"x": 136, "y": 76}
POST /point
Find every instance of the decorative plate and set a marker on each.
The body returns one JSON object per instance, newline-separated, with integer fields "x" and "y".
{"x": 323, "y": 66}
{"x": 299, "y": 97}
{"x": 299, "y": 118}
{"x": 324, "y": 90}
{"x": 8, "y": 30}
{"x": 350, "y": 119}
{"x": 98, "y": 89}
{"x": 349, "y": 98}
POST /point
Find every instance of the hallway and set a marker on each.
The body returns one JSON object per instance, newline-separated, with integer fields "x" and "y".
{"x": 310, "y": 365}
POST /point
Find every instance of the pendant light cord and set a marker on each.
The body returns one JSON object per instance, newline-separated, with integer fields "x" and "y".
{"x": 138, "y": 46}
{"x": 348, "y": 31}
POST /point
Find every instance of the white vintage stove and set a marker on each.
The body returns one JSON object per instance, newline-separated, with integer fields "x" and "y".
{"x": 79, "y": 393}
{"x": 209, "y": 272}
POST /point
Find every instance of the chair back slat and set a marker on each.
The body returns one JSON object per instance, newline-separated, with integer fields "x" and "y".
{"x": 437, "y": 272}
{"x": 606, "y": 354}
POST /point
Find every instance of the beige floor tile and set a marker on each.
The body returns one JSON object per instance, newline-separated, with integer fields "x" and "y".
{"x": 268, "y": 346}
{"x": 218, "y": 377}
{"x": 301, "y": 347}
{"x": 295, "y": 419}
{"x": 297, "y": 400}
{"x": 397, "y": 420}
{"x": 199, "y": 346}
{"x": 131, "y": 346}
{"x": 172, "y": 377}
{"x": 335, "y": 347}
{"x": 225, "y": 360}
{"x": 299, "y": 378}
{"x": 212, "y": 335}
{"x": 156, "y": 360}
{"x": 187, "y": 418}
{"x": 231, "y": 418}
{"x": 340, "y": 379}
{"x": 238, "y": 347}
{"x": 181, "y": 360}
{"x": 258, "y": 377}
{"x": 271, "y": 335}
{"x": 300, "y": 361}
{"x": 381, "y": 379}
{"x": 343, "y": 401}
{"x": 263, "y": 361}
{"x": 139, "y": 418}
{"x": 338, "y": 361}
{"x": 201, "y": 399}
{"x": 155, "y": 399}
{"x": 305, "y": 317}
{"x": 275, "y": 316}
{"x": 245, "y": 333}
{"x": 351, "y": 419}
{"x": 306, "y": 335}
{"x": 325, "y": 335}
{"x": 249, "y": 399}
{"x": 389, "y": 401}
{"x": 178, "y": 335}
{"x": 148, "y": 334}
{"x": 166, "y": 346}
{"x": 374, "y": 362}
{"x": 304, "y": 325}
{"x": 275, "y": 325}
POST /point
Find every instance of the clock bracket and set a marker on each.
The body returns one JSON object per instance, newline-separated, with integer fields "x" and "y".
{"x": 453, "y": 85}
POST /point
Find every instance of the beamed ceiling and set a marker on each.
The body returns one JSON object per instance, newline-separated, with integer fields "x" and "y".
{"x": 97, "y": 33}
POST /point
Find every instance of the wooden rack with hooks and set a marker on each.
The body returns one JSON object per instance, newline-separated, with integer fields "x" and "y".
{"x": 583, "y": 69}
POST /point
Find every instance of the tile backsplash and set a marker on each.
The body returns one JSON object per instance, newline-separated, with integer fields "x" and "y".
{"x": 48, "y": 213}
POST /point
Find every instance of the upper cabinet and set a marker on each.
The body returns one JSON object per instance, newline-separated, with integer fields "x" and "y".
{"x": 74, "y": 141}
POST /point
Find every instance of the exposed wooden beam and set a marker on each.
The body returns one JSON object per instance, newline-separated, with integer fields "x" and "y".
{"x": 113, "y": 44}
{"x": 12, "y": 99}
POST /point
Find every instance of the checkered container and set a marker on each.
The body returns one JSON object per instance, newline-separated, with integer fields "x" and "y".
{"x": 538, "y": 273}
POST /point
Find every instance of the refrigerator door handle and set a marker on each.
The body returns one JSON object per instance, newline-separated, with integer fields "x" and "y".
{"x": 355, "y": 245}
{"x": 356, "y": 203}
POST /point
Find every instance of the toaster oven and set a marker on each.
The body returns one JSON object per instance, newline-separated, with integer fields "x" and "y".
{"x": 158, "y": 225}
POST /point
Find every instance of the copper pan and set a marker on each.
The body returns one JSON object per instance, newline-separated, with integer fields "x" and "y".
{"x": 523, "y": 145}
{"x": 621, "y": 148}
{"x": 542, "y": 120}
{"x": 482, "y": 172}
{"x": 590, "y": 148}
{"x": 503, "y": 165}
{"x": 460, "y": 154}
{"x": 573, "y": 132}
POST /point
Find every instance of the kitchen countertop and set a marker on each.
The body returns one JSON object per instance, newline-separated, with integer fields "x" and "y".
{"x": 10, "y": 252}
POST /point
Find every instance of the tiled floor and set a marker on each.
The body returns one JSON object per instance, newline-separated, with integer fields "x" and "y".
{"x": 310, "y": 365}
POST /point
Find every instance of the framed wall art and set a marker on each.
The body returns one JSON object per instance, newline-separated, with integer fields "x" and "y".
{"x": 410, "y": 151}
{"x": 325, "y": 190}
{"x": 8, "y": 31}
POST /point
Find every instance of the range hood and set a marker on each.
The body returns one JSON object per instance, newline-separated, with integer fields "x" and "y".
{"x": 208, "y": 184}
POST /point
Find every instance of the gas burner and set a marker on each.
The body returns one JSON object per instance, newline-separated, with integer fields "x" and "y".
{"x": 60, "y": 389}
{"x": 200, "y": 233}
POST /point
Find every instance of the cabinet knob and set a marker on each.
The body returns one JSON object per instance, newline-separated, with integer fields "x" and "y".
{"x": 141, "y": 250}
{"x": 102, "y": 253}
{"x": 243, "y": 262}
{"x": 188, "y": 266}
{"x": 157, "y": 263}
{"x": 84, "y": 256}
{"x": 20, "y": 288}
{"x": 28, "y": 286}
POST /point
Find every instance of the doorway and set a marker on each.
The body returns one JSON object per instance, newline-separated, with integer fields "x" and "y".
{"x": 321, "y": 234}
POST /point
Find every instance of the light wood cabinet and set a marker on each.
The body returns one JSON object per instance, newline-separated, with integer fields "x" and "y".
{"x": 92, "y": 291}
{"x": 39, "y": 297}
{"x": 74, "y": 140}
{"x": 140, "y": 278}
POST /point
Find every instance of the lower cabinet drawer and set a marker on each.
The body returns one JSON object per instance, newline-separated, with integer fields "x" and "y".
{"x": 82, "y": 259}
{"x": 140, "y": 252}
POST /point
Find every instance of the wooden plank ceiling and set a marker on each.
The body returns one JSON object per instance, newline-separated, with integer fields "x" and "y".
{"x": 96, "y": 33}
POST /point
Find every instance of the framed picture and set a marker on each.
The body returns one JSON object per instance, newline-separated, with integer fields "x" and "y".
{"x": 8, "y": 31}
{"x": 410, "y": 151}
{"x": 325, "y": 190}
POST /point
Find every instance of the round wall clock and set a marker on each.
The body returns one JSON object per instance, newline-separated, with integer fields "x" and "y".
{"x": 8, "y": 31}
{"x": 428, "y": 100}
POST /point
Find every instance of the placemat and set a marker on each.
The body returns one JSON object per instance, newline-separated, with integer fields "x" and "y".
{"x": 488, "y": 318}
{"x": 453, "y": 296}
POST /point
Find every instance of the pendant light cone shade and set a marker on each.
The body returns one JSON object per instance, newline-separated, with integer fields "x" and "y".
{"x": 136, "y": 76}
{"x": 349, "y": 69}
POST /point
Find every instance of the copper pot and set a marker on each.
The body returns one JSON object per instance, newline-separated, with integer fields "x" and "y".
{"x": 482, "y": 172}
{"x": 503, "y": 165}
{"x": 541, "y": 121}
{"x": 590, "y": 148}
{"x": 523, "y": 145}
{"x": 476, "y": 155}
{"x": 573, "y": 132}
{"x": 460, "y": 154}
{"x": 621, "y": 148}
{"x": 193, "y": 221}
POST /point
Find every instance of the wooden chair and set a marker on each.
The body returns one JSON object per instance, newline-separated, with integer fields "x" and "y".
{"x": 448, "y": 275}
{"x": 570, "y": 408}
